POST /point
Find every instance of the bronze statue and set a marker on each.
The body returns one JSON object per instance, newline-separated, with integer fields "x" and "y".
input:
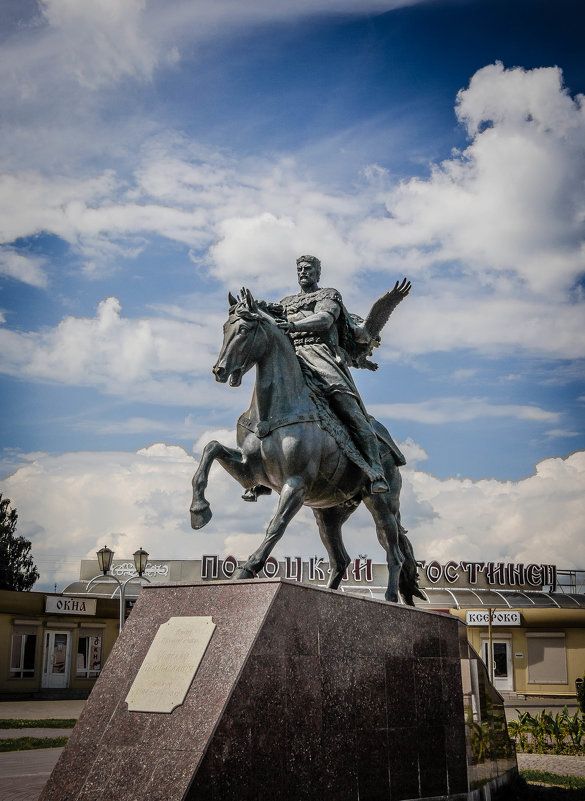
{"x": 294, "y": 436}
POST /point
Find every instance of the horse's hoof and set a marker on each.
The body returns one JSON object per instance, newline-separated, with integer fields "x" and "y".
{"x": 244, "y": 573}
{"x": 200, "y": 517}
{"x": 336, "y": 578}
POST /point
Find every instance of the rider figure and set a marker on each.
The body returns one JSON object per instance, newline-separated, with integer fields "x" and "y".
{"x": 314, "y": 323}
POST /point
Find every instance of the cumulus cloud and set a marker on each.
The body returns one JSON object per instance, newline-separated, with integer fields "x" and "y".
{"x": 70, "y": 505}
{"x": 492, "y": 238}
{"x": 155, "y": 360}
{"x": 90, "y": 215}
{"x": 512, "y": 204}
{"x": 502, "y": 520}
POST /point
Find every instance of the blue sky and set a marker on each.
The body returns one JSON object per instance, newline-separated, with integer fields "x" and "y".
{"x": 157, "y": 154}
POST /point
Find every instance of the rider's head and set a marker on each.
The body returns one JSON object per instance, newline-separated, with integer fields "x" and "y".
{"x": 308, "y": 271}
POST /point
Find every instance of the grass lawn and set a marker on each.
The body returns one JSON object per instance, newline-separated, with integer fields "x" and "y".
{"x": 31, "y": 743}
{"x": 42, "y": 723}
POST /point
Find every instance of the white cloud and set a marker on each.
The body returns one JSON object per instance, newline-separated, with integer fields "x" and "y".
{"x": 449, "y": 410}
{"x": 492, "y": 239}
{"x": 463, "y": 374}
{"x": 92, "y": 46}
{"x": 103, "y": 40}
{"x": 28, "y": 269}
{"x": 561, "y": 432}
{"x": 91, "y": 216}
{"x": 153, "y": 360}
{"x": 462, "y": 314}
{"x": 501, "y": 520}
{"x": 70, "y": 505}
{"x": 513, "y": 203}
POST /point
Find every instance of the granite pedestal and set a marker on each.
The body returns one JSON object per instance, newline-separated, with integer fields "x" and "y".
{"x": 301, "y": 693}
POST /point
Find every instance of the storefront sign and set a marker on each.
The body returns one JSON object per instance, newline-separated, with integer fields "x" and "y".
{"x": 361, "y": 571}
{"x": 500, "y": 617}
{"x": 62, "y": 605}
{"x": 484, "y": 575}
{"x": 315, "y": 570}
{"x": 475, "y": 575}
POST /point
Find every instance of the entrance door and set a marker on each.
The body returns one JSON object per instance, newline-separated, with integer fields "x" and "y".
{"x": 56, "y": 659}
{"x": 502, "y": 660}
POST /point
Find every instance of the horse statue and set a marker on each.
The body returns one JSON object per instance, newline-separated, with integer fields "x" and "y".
{"x": 283, "y": 446}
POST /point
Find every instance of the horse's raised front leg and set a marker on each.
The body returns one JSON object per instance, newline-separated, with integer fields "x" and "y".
{"x": 330, "y": 522}
{"x": 292, "y": 497}
{"x": 384, "y": 510}
{"x": 232, "y": 460}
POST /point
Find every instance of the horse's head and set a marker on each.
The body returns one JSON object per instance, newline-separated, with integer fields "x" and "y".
{"x": 243, "y": 342}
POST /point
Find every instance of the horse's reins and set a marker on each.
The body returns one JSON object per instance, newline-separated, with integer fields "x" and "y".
{"x": 244, "y": 366}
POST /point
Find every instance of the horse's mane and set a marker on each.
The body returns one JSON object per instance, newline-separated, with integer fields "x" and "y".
{"x": 274, "y": 310}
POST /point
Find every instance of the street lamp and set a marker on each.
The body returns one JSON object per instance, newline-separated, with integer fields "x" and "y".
{"x": 105, "y": 557}
{"x": 140, "y": 560}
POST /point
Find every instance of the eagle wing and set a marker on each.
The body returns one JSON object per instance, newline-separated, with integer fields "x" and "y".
{"x": 384, "y": 306}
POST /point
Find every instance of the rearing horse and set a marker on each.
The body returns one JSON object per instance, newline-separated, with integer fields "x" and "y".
{"x": 282, "y": 446}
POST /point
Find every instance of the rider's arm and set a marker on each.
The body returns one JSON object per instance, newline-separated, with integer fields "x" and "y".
{"x": 322, "y": 321}
{"x": 325, "y": 314}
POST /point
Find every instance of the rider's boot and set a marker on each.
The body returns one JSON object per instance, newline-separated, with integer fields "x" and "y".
{"x": 251, "y": 494}
{"x": 347, "y": 408}
{"x": 371, "y": 452}
{"x": 378, "y": 483}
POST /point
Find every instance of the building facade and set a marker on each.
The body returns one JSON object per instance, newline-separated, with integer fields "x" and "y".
{"x": 527, "y": 622}
{"x": 53, "y": 646}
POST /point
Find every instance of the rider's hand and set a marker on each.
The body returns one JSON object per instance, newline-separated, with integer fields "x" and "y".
{"x": 285, "y": 326}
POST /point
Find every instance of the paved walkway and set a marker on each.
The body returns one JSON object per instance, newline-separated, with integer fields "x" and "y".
{"x": 23, "y": 774}
{"x": 561, "y": 765}
{"x": 37, "y": 710}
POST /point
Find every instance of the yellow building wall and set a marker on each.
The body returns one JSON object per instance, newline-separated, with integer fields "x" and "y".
{"x": 571, "y": 622}
{"x": 29, "y": 606}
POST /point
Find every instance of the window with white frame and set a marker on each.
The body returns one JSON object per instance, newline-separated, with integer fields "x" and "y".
{"x": 23, "y": 651}
{"x": 89, "y": 653}
{"x": 546, "y": 657}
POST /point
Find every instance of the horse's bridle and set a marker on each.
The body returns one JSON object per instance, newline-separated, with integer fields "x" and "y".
{"x": 244, "y": 368}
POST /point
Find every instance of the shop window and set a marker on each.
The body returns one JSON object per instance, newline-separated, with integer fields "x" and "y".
{"x": 23, "y": 652}
{"x": 547, "y": 658}
{"x": 89, "y": 654}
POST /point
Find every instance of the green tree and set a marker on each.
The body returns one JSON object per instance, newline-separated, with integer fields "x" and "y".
{"x": 17, "y": 569}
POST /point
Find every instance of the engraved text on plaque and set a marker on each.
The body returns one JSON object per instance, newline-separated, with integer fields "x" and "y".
{"x": 170, "y": 665}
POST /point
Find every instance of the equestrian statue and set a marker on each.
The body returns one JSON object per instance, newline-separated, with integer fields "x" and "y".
{"x": 307, "y": 434}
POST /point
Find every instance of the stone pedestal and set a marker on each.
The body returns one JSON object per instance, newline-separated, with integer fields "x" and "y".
{"x": 300, "y": 693}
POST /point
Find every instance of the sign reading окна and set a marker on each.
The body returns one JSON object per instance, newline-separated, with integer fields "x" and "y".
{"x": 62, "y": 605}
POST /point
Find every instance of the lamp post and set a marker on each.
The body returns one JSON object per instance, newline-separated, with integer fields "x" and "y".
{"x": 105, "y": 557}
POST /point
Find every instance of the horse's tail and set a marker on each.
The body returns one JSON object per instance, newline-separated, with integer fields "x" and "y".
{"x": 409, "y": 572}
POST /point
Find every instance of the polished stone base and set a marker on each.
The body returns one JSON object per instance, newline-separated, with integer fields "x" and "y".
{"x": 302, "y": 693}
